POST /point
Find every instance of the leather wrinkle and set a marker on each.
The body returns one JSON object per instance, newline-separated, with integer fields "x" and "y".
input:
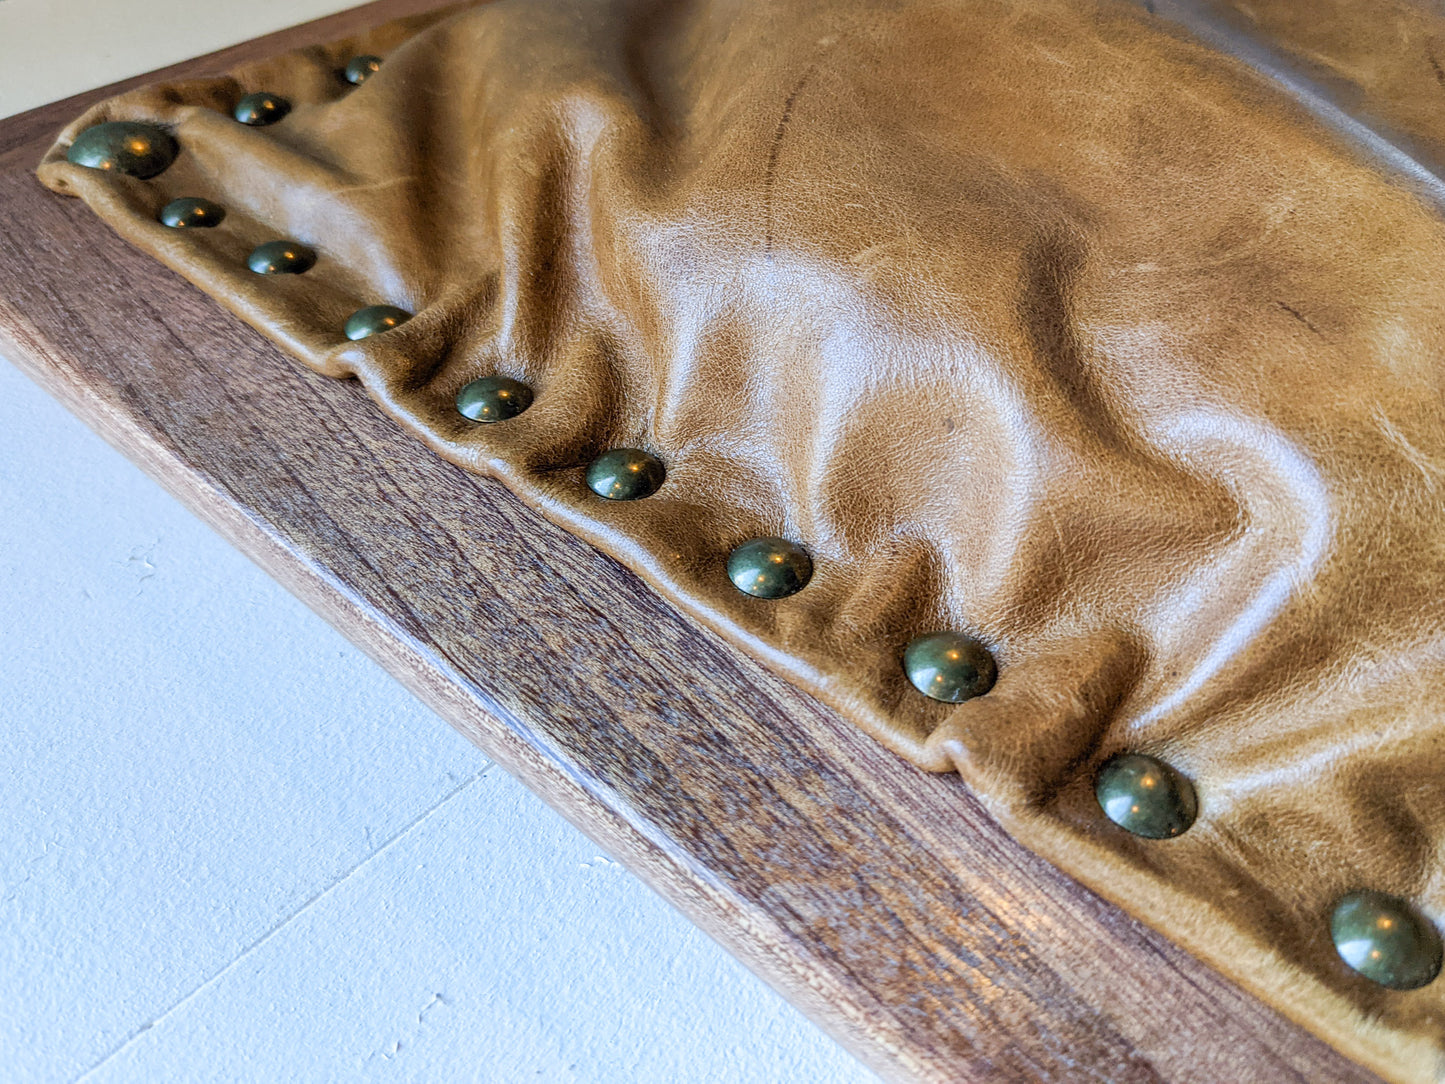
{"x": 1050, "y": 323}
{"x": 1286, "y": 54}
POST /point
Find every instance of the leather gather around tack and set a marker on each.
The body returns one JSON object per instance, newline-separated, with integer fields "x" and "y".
{"x": 1030, "y": 335}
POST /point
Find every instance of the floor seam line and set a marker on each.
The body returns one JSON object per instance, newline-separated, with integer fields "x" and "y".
{"x": 284, "y": 922}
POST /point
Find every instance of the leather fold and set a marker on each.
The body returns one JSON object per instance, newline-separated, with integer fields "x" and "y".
{"x": 1052, "y": 323}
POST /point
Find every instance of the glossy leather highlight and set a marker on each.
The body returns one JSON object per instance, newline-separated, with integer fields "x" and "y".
{"x": 1047, "y": 321}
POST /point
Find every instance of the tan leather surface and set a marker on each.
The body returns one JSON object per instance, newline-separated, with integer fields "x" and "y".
{"x": 1382, "y": 61}
{"x": 1041, "y": 320}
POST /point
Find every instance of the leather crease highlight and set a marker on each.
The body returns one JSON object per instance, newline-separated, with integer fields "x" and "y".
{"x": 1047, "y": 324}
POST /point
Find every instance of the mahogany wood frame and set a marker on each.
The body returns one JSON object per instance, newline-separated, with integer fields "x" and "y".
{"x": 881, "y": 900}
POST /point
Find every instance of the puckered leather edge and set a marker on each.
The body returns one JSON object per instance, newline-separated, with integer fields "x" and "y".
{"x": 1183, "y": 918}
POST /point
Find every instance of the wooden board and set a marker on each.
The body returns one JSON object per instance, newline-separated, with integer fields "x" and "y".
{"x": 883, "y": 901}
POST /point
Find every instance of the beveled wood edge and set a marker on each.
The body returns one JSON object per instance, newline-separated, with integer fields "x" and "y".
{"x": 480, "y": 720}
{"x": 23, "y": 138}
{"x": 747, "y": 935}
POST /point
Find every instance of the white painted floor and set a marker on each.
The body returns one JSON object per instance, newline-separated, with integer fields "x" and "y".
{"x": 231, "y": 848}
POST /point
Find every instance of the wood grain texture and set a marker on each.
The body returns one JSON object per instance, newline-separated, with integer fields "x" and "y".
{"x": 883, "y": 901}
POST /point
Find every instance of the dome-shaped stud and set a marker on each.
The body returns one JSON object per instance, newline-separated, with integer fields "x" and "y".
{"x": 770, "y": 568}
{"x": 1386, "y": 940}
{"x": 361, "y": 68}
{"x": 281, "y": 258}
{"x": 125, "y": 146}
{"x": 949, "y": 666}
{"x": 493, "y": 399}
{"x": 625, "y": 474}
{"x": 1146, "y": 796}
{"x": 192, "y": 213}
{"x": 374, "y": 319}
{"x": 261, "y": 109}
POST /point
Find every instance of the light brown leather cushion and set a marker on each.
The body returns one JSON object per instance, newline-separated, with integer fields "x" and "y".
{"x": 1039, "y": 320}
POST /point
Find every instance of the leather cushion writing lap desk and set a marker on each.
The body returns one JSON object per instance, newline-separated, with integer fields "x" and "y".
{"x": 1050, "y": 326}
